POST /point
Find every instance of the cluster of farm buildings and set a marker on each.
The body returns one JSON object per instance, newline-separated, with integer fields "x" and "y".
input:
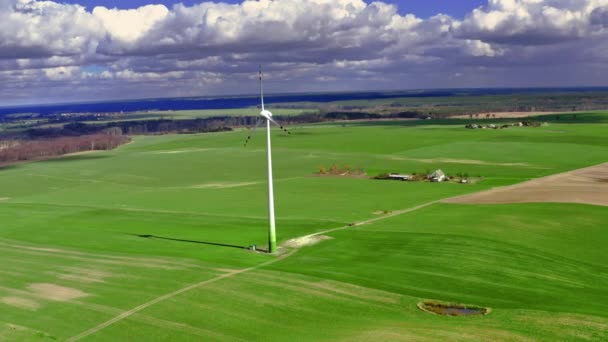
{"x": 493, "y": 126}
{"x": 437, "y": 176}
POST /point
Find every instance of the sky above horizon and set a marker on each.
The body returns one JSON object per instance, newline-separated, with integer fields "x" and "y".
{"x": 82, "y": 50}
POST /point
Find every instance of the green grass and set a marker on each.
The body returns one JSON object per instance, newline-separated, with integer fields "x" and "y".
{"x": 512, "y": 256}
{"x": 77, "y": 222}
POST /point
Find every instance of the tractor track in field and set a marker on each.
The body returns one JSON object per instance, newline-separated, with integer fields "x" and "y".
{"x": 305, "y": 241}
{"x": 280, "y": 257}
{"x": 137, "y": 309}
{"x": 311, "y": 237}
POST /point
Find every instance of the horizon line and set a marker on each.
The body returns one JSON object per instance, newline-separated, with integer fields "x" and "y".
{"x": 243, "y": 95}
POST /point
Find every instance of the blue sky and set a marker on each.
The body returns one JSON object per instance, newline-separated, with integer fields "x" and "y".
{"x": 422, "y": 8}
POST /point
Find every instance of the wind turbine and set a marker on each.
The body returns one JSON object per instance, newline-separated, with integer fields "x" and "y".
{"x": 267, "y": 116}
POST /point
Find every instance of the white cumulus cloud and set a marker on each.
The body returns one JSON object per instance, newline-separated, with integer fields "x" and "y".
{"x": 130, "y": 25}
{"x": 69, "y": 52}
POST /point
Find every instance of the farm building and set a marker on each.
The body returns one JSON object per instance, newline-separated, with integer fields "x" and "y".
{"x": 437, "y": 176}
{"x": 397, "y": 176}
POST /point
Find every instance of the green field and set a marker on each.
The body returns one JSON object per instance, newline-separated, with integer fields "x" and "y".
{"x": 146, "y": 242}
{"x": 466, "y": 102}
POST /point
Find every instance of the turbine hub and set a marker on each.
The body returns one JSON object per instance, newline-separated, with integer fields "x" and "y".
{"x": 265, "y": 113}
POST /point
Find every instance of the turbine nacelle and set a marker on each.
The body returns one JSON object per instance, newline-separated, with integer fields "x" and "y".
{"x": 267, "y": 114}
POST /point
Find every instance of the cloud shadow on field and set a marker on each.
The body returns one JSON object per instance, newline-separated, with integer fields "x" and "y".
{"x": 298, "y": 132}
{"x": 150, "y": 236}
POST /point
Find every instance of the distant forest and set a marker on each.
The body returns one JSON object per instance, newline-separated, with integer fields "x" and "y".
{"x": 18, "y": 151}
{"x": 187, "y": 126}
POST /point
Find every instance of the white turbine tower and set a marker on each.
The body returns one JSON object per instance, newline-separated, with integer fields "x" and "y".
{"x": 267, "y": 116}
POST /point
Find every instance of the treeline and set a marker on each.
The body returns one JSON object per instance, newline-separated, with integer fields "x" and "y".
{"x": 322, "y": 116}
{"x": 143, "y": 127}
{"x": 49, "y": 148}
{"x": 189, "y": 126}
{"x": 356, "y": 115}
{"x": 162, "y": 126}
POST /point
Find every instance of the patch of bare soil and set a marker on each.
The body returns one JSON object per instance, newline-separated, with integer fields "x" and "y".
{"x": 308, "y": 240}
{"x": 381, "y": 212}
{"x": 506, "y": 115}
{"x": 463, "y": 161}
{"x": 20, "y": 302}
{"x": 336, "y": 171}
{"x": 84, "y": 275}
{"x": 184, "y": 151}
{"x": 345, "y": 175}
{"x": 15, "y": 327}
{"x": 226, "y": 270}
{"x": 586, "y": 186}
{"x": 55, "y": 292}
{"x": 81, "y": 153}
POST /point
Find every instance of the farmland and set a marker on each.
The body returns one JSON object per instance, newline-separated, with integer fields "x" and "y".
{"x": 472, "y": 102}
{"x": 147, "y": 241}
{"x": 192, "y": 114}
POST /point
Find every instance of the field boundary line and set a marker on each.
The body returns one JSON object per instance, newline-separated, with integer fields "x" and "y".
{"x": 173, "y": 294}
{"x": 375, "y": 219}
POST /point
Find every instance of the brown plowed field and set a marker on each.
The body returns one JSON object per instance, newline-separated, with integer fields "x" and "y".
{"x": 588, "y": 186}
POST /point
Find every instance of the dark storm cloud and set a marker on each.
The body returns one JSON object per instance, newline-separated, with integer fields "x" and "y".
{"x": 599, "y": 17}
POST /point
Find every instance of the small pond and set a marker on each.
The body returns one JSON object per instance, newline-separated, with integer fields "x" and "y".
{"x": 451, "y": 309}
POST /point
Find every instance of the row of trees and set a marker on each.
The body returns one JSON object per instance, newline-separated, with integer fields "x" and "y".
{"x": 48, "y": 148}
{"x": 142, "y": 127}
{"x": 201, "y": 125}
{"x": 8, "y": 144}
{"x": 336, "y": 170}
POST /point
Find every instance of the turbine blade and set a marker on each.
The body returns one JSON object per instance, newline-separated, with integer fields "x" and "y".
{"x": 261, "y": 88}
{"x": 257, "y": 124}
{"x": 281, "y": 126}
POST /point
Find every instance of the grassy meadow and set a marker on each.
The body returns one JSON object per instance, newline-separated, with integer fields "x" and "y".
{"x": 146, "y": 242}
